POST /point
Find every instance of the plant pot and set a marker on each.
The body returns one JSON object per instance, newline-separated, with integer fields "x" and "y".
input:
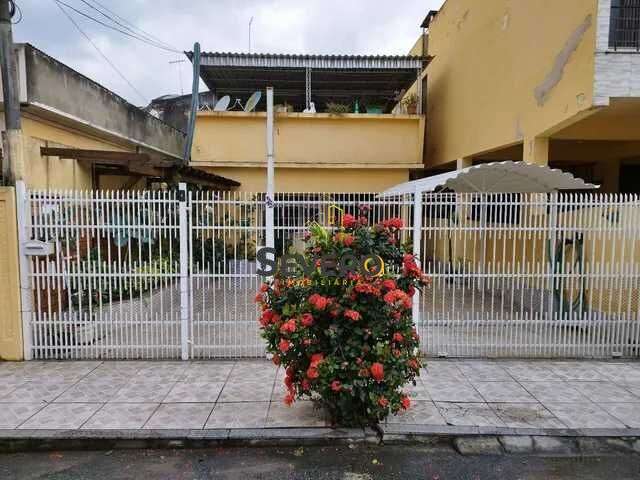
{"x": 412, "y": 109}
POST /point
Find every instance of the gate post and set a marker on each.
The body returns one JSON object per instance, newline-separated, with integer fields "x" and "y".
{"x": 184, "y": 271}
{"x": 23, "y": 215}
{"x": 417, "y": 249}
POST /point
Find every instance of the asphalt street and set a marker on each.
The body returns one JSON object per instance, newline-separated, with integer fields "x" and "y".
{"x": 356, "y": 462}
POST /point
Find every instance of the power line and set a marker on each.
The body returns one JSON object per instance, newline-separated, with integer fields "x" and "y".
{"x": 106, "y": 59}
{"x": 124, "y": 32}
{"x": 122, "y": 22}
{"x": 131, "y": 27}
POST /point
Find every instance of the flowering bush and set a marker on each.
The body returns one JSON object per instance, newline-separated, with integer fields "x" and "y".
{"x": 349, "y": 341}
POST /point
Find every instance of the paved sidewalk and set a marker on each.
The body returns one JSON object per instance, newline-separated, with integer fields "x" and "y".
{"x": 130, "y": 395}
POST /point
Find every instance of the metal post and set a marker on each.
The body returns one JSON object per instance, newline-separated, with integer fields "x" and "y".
{"x": 307, "y": 86}
{"x": 553, "y": 266}
{"x": 26, "y": 293}
{"x": 270, "y": 173}
{"x": 419, "y": 92}
{"x": 12, "y": 167}
{"x": 417, "y": 249}
{"x": 184, "y": 270}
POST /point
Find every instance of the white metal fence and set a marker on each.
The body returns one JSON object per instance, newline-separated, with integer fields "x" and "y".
{"x": 173, "y": 274}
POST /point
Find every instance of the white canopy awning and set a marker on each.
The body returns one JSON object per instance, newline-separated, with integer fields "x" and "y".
{"x": 497, "y": 177}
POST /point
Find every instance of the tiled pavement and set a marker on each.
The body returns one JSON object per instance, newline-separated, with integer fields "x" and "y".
{"x": 248, "y": 394}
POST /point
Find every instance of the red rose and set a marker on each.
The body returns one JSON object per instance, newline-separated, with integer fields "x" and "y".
{"x": 413, "y": 364}
{"x": 288, "y": 381}
{"x": 397, "y": 337}
{"x": 318, "y": 301}
{"x": 348, "y": 221}
{"x": 307, "y": 320}
{"x": 377, "y": 372}
{"x": 389, "y": 284}
{"x": 336, "y": 386}
{"x": 393, "y": 223}
{"x": 411, "y": 291}
{"x": 264, "y": 288}
{"x": 405, "y": 402}
{"x": 397, "y": 298}
{"x": 316, "y": 359}
{"x": 305, "y": 385}
{"x": 276, "y": 359}
{"x": 348, "y": 240}
{"x": 289, "y": 399}
{"x": 383, "y": 402}
{"x": 352, "y": 315}
{"x": 259, "y": 298}
{"x": 312, "y": 373}
{"x": 284, "y": 345}
{"x": 288, "y": 327}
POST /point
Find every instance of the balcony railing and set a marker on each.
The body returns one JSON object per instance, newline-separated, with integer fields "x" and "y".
{"x": 625, "y": 25}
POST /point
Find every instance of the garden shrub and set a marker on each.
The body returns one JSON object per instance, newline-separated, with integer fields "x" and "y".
{"x": 347, "y": 342}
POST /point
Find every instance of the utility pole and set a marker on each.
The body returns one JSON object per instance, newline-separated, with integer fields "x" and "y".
{"x": 12, "y": 158}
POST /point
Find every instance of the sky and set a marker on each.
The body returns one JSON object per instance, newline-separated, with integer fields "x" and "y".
{"x": 279, "y": 26}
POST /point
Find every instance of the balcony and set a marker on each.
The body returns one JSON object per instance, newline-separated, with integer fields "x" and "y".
{"x": 237, "y": 139}
{"x": 624, "y": 30}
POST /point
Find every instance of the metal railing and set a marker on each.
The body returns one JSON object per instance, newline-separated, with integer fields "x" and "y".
{"x": 161, "y": 275}
{"x": 625, "y": 26}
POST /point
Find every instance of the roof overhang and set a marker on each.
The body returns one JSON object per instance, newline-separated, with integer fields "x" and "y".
{"x": 497, "y": 177}
{"x": 337, "y": 78}
{"x": 140, "y": 164}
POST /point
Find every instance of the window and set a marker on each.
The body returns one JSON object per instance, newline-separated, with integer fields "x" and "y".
{"x": 625, "y": 24}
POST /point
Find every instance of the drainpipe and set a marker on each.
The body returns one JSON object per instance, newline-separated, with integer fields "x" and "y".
{"x": 195, "y": 103}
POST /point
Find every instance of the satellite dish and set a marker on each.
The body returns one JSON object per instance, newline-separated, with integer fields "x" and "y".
{"x": 222, "y": 104}
{"x": 253, "y": 101}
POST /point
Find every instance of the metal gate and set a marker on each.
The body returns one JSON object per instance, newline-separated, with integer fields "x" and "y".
{"x": 154, "y": 274}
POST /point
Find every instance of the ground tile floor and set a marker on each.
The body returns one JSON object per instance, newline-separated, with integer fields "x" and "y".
{"x": 247, "y": 394}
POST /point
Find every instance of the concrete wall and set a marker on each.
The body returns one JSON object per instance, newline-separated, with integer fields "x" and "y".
{"x": 10, "y": 320}
{"x": 62, "y": 92}
{"x": 507, "y": 72}
{"x": 303, "y": 141}
{"x": 315, "y": 179}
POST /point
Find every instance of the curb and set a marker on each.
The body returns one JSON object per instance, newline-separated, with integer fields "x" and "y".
{"x": 465, "y": 440}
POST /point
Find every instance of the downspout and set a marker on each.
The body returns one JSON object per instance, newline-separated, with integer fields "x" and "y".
{"x": 195, "y": 103}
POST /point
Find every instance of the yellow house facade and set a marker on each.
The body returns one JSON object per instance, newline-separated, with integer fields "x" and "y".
{"x": 64, "y": 112}
{"x": 547, "y": 82}
{"x": 360, "y": 145}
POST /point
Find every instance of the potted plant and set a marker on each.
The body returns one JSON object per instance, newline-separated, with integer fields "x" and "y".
{"x": 347, "y": 342}
{"x": 334, "y": 108}
{"x": 410, "y": 103}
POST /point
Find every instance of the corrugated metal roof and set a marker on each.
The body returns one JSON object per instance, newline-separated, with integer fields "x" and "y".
{"x": 274, "y": 60}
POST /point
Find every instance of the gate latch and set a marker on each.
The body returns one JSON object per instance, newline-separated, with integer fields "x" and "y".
{"x": 38, "y": 248}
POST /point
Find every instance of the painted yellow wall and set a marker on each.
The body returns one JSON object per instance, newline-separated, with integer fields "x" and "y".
{"x": 315, "y": 179}
{"x": 53, "y": 172}
{"x": 303, "y": 140}
{"x": 10, "y": 321}
{"x": 506, "y": 72}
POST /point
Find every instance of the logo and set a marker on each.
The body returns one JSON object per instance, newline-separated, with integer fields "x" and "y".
{"x": 296, "y": 265}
